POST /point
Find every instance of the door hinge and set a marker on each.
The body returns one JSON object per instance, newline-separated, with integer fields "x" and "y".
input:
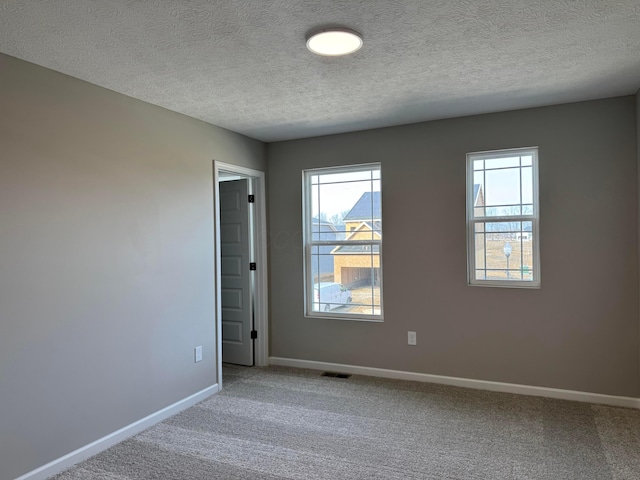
{"x": 254, "y": 334}
{"x": 252, "y": 199}
{"x": 253, "y": 266}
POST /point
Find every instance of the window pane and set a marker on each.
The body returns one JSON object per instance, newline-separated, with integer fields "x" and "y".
{"x": 364, "y": 231}
{"x": 526, "y": 266}
{"x": 498, "y": 255}
{"x": 336, "y": 200}
{"x": 502, "y": 187}
{"x": 375, "y": 185}
{"x": 527, "y": 185}
{"x": 329, "y": 296}
{"x": 361, "y": 274}
{"x": 491, "y": 163}
{"x": 324, "y": 232}
{"x": 346, "y": 177}
{"x": 480, "y": 250}
{"x": 345, "y": 278}
{"x": 322, "y": 264}
{"x": 506, "y": 211}
{"x": 478, "y": 179}
{"x": 478, "y": 194}
{"x": 504, "y": 230}
{"x": 377, "y": 230}
{"x": 503, "y": 250}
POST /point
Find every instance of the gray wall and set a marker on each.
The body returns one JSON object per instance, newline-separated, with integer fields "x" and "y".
{"x": 106, "y": 260}
{"x": 638, "y": 156}
{"x": 578, "y": 332}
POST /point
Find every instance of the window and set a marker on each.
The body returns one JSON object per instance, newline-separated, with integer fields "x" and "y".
{"x": 503, "y": 218}
{"x": 343, "y": 242}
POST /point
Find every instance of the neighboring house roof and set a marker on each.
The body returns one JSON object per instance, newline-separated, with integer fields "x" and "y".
{"x": 322, "y": 230}
{"x": 477, "y": 195}
{"x": 368, "y": 207}
{"x": 322, "y": 225}
{"x": 315, "y": 222}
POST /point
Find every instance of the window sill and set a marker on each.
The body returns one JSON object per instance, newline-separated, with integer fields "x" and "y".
{"x": 337, "y": 316}
{"x": 505, "y": 284}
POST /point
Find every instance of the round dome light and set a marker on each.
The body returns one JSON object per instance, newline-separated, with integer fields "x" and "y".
{"x": 334, "y": 42}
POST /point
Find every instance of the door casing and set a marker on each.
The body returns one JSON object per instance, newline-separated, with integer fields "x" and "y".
{"x": 261, "y": 310}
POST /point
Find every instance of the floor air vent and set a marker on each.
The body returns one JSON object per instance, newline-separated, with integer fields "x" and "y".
{"x": 335, "y": 375}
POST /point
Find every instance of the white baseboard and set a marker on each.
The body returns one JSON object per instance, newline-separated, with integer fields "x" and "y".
{"x": 629, "y": 402}
{"x": 62, "y": 463}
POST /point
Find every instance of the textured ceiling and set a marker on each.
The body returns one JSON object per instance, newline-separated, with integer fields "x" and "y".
{"x": 243, "y": 64}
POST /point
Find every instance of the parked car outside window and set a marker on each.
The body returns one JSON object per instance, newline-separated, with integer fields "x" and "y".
{"x": 330, "y": 295}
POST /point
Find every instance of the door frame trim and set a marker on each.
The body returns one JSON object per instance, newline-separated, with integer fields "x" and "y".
{"x": 261, "y": 293}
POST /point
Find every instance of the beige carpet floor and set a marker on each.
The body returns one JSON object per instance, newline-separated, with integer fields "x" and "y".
{"x": 281, "y": 423}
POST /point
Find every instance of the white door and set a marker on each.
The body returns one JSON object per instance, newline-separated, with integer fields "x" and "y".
{"x": 235, "y": 274}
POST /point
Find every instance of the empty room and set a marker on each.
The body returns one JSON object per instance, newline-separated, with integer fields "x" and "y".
{"x": 319, "y": 240}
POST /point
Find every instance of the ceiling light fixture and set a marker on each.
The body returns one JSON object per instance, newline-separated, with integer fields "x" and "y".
{"x": 333, "y": 42}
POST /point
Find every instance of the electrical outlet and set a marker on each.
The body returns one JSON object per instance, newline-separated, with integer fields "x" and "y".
{"x": 198, "y": 354}
{"x": 411, "y": 337}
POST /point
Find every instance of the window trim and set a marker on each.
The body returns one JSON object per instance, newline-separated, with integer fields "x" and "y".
{"x": 534, "y": 218}
{"x": 307, "y": 243}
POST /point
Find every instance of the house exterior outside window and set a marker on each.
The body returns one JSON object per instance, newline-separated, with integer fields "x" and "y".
{"x": 352, "y": 263}
{"x": 343, "y": 242}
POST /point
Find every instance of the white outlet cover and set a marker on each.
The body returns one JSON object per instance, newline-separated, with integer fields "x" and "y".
{"x": 411, "y": 338}
{"x": 198, "y": 354}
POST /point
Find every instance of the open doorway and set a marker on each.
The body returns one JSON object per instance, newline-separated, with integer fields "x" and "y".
{"x": 240, "y": 266}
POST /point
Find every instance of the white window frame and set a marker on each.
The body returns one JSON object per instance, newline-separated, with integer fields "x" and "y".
{"x": 308, "y": 243}
{"x": 534, "y": 218}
